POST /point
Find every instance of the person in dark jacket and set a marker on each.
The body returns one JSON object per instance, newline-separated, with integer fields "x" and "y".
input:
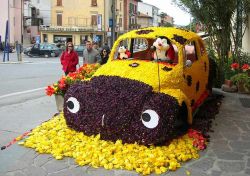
{"x": 104, "y": 56}
{"x": 106, "y": 47}
{"x": 69, "y": 59}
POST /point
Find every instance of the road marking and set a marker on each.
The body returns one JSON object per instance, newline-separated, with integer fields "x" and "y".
{"x": 23, "y": 92}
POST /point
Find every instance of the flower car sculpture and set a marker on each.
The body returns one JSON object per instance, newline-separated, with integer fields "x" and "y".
{"x": 139, "y": 99}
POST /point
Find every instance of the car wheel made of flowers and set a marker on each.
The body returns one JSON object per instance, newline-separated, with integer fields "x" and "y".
{"x": 147, "y": 94}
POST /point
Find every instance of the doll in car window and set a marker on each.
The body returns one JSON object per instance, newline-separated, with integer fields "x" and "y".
{"x": 163, "y": 50}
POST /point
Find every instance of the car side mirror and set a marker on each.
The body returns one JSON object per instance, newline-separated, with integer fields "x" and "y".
{"x": 188, "y": 63}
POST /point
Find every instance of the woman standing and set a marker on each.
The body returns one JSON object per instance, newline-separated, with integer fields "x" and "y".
{"x": 69, "y": 59}
{"x": 104, "y": 56}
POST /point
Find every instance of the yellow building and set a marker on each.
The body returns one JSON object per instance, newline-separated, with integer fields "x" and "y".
{"x": 76, "y": 21}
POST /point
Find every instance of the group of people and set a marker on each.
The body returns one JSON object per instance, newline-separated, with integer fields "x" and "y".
{"x": 92, "y": 54}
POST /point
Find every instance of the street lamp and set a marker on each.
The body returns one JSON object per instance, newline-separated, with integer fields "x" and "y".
{"x": 113, "y": 10}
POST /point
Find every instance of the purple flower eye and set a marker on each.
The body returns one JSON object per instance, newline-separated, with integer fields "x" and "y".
{"x": 150, "y": 118}
{"x": 73, "y": 105}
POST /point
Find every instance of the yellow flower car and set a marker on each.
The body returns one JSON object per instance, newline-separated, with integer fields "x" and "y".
{"x": 143, "y": 96}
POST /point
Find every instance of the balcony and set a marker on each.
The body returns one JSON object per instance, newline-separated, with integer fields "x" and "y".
{"x": 54, "y": 28}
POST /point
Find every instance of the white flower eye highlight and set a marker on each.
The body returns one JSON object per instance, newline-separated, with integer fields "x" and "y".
{"x": 73, "y": 105}
{"x": 150, "y": 118}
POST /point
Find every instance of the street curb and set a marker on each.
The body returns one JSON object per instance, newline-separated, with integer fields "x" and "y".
{"x": 16, "y": 62}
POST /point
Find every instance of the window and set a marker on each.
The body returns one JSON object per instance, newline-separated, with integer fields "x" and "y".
{"x": 93, "y": 2}
{"x": 59, "y": 19}
{"x": 135, "y": 10}
{"x": 94, "y": 20}
{"x": 45, "y": 38}
{"x": 202, "y": 48}
{"x": 83, "y": 39}
{"x": 36, "y": 46}
{"x": 120, "y": 6}
{"x": 140, "y": 45}
{"x": 59, "y": 3}
{"x": 190, "y": 51}
{"x": 71, "y": 21}
{"x": 131, "y": 7}
{"x": 120, "y": 22}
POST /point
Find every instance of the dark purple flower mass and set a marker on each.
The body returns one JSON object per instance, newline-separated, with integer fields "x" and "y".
{"x": 120, "y": 108}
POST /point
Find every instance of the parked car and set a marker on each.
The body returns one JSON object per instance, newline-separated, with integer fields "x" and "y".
{"x": 79, "y": 49}
{"x": 27, "y": 49}
{"x": 143, "y": 98}
{"x": 43, "y": 49}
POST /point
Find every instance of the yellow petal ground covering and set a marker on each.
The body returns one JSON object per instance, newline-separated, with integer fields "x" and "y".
{"x": 54, "y": 137}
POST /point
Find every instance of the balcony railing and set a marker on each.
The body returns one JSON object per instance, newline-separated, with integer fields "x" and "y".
{"x": 69, "y": 28}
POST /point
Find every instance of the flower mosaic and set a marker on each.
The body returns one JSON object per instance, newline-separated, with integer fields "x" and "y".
{"x": 141, "y": 110}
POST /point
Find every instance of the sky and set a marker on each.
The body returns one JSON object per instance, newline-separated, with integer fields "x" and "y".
{"x": 167, "y": 6}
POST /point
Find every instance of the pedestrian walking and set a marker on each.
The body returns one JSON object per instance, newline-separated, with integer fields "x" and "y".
{"x": 69, "y": 59}
{"x": 104, "y": 56}
{"x": 90, "y": 55}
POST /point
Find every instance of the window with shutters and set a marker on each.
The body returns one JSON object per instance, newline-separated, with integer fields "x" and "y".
{"x": 93, "y": 2}
{"x": 59, "y": 3}
{"x": 120, "y": 22}
{"x": 59, "y": 19}
{"x": 94, "y": 20}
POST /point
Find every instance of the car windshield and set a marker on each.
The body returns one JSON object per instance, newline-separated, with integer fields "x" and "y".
{"x": 158, "y": 49}
{"x": 46, "y": 46}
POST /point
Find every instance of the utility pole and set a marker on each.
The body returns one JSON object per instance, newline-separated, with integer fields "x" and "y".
{"x": 113, "y": 10}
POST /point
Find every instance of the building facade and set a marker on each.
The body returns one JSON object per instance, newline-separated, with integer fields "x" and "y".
{"x": 12, "y": 10}
{"x": 149, "y": 10}
{"x": 75, "y": 21}
{"x": 119, "y": 17}
{"x": 144, "y": 20}
{"x": 130, "y": 14}
{"x": 36, "y": 13}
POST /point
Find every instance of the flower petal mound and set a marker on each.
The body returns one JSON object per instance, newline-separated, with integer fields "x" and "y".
{"x": 54, "y": 137}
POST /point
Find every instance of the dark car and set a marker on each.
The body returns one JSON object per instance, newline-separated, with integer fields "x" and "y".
{"x": 26, "y": 50}
{"x": 43, "y": 49}
{"x": 79, "y": 49}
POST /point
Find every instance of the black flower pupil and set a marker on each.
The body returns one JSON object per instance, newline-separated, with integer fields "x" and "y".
{"x": 146, "y": 117}
{"x": 70, "y": 104}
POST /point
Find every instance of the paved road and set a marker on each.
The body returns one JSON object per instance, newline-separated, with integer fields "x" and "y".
{"x": 228, "y": 152}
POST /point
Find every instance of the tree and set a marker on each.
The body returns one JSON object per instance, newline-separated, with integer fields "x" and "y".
{"x": 240, "y": 24}
{"x": 217, "y": 16}
{"x": 167, "y": 24}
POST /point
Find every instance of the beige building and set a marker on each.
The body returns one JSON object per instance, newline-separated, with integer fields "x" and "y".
{"x": 144, "y": 20}
{"x": 76, "y": 21}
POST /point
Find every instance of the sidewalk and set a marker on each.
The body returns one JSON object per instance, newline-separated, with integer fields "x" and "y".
{"x": 13, "y": 59}
{"x": 227, "y": 154}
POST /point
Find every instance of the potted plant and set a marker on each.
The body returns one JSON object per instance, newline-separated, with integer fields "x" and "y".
{"x": 60, "y": 87}
{"x": 242, "y": 79}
